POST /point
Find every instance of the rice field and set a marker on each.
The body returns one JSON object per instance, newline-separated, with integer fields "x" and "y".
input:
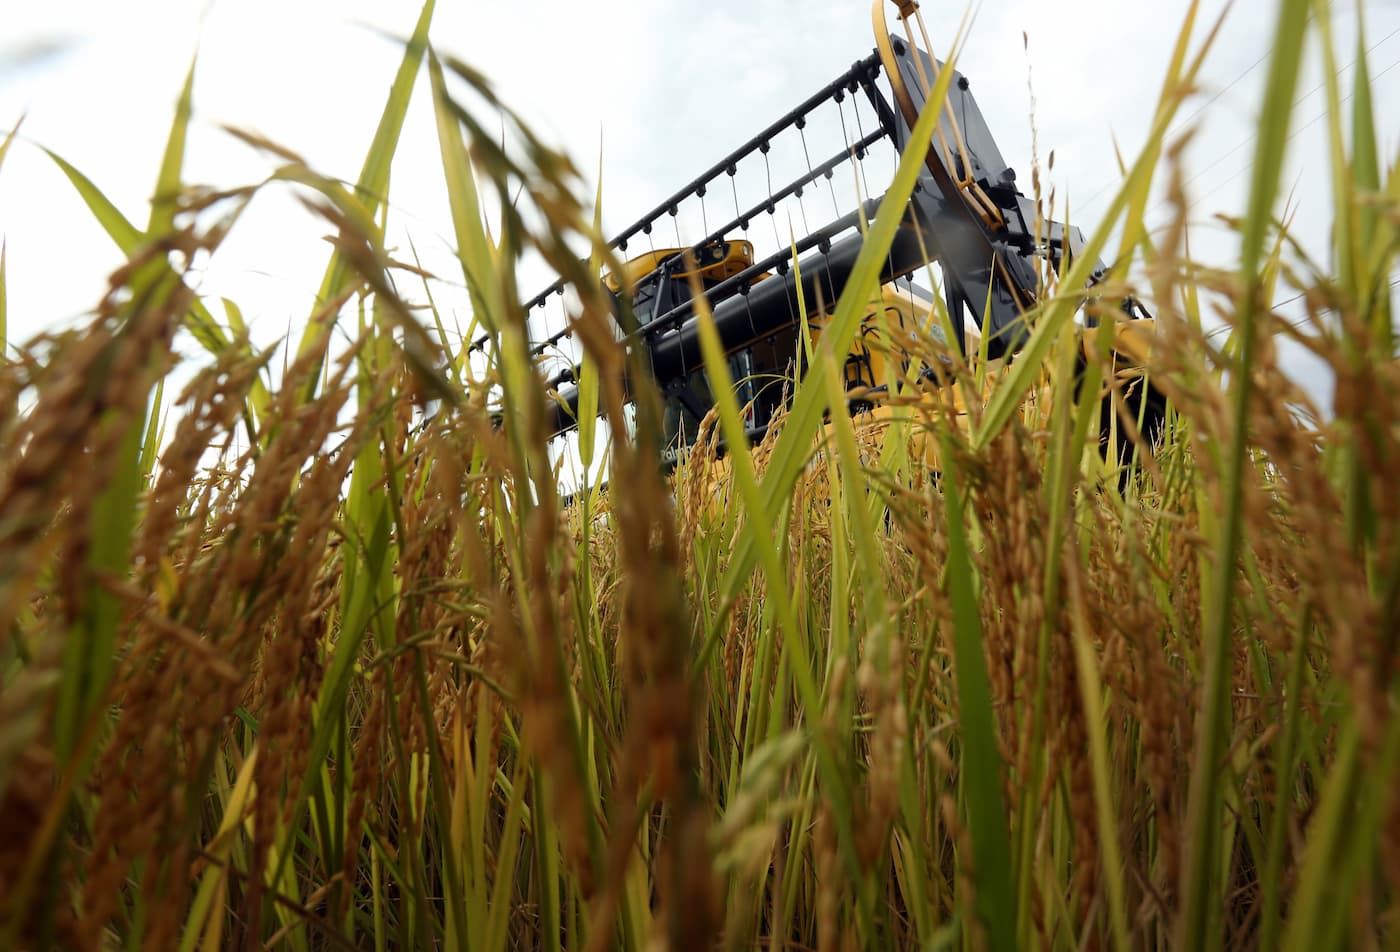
{"x": 315, "y": 653}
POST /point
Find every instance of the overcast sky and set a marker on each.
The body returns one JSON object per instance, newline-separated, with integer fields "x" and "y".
{"x": 669, "y": 85}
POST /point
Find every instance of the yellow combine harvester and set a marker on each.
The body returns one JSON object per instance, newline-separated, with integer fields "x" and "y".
{"x": 966, "y": 227}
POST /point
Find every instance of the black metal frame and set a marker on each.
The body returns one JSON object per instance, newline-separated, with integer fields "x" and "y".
{"x": 988, "y": 270}
{"x": 862, "y": 74}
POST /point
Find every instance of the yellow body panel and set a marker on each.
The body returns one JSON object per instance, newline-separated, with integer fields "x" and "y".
{"x": 720, "y": 261}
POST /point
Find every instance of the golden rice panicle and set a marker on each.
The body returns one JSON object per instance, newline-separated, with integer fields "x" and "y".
{"x": 367, "y": 762}
{"x": 659, "y": 749}
{"x": 162, "y": 677}
{"x": 93, "y": 389}
{"x": 1011, "y": 565}
{"x": 697, "y": 481}
{"x": 883, "y": 701}
{"x": 964, "y": 868}
{"x": 24, "y": 801}
{"x": 14, "y": 379}
{"x": 1151, "y": 686}
{"x": 284, "y": 511}
{"x": 90, "y": 395}
{"x": 216, "y": 398}
{"x": 1084, "y": 876}
{"x": 828, "y": 879}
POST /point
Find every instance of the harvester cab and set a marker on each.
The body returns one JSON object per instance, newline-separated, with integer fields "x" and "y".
{"x": 773, "y": 230}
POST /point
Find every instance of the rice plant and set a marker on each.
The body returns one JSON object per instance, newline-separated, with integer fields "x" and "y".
{"x": 328, "y": 656}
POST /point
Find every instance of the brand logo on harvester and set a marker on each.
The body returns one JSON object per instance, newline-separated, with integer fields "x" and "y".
{"x": 672, "y": 455}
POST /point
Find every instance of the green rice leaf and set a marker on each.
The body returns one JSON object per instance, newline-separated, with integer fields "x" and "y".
{"x": 9, "y": 138}
{"x": 1200, "y": 880}
{"x": 805, "y": 417}
{"x": 155, "y": 427}
{"x": 761, "y": 530}
{"x": 1366, "y": 179}
{"x": 128, "y": 239}
{"x": 372, "y": 187}
{"x": 588, "y": 381}
{"x": 991, "y": 846}
{"x": 127, "y": 236}
{"x": 169, "y": 182}
{"x": 1131, "y": 199}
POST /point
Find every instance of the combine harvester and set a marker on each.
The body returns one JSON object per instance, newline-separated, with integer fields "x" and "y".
{"x": 966, "y": 217}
